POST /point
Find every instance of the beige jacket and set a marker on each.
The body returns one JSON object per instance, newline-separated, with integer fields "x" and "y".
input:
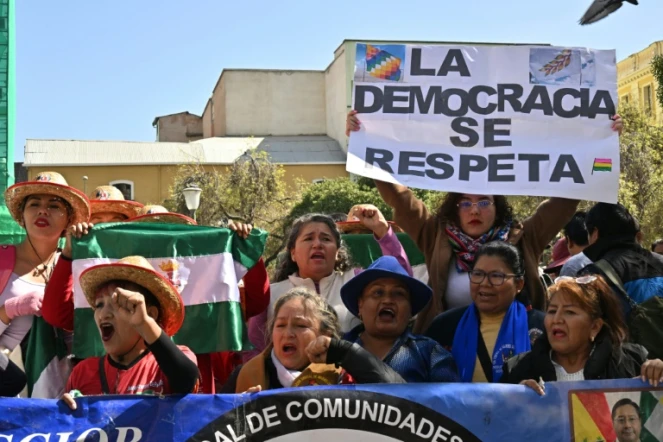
{"x": 531, "y": 237}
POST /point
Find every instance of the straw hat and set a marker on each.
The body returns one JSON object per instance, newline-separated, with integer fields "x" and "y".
{"x": 356, "y": 227}
{"x": 138, "y": 270}
{"x": 159, "y": 214}
{"x": 49, "y": 183}
{"x": 109, "y": 199}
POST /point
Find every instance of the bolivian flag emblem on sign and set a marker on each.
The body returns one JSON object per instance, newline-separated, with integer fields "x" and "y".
{"x": 602, "y": 165}
{"x": 592, "y": 415}
{"x": 381, "y": 64}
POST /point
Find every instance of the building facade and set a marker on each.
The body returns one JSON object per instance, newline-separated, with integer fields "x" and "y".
{"x": 298, "y": 117}
{"x": 636, "y": 83}
{"x": 256, "y": 102}
{"x": 145, "y": 171}
{"x": 181, "y": 127}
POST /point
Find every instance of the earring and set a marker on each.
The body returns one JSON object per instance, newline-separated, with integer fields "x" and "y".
{"x": 592, "y": 338}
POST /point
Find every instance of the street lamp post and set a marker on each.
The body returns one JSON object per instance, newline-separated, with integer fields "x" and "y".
{"x": 192, "y": 199}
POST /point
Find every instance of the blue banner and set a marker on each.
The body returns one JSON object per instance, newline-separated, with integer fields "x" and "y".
{"x": 580, "y": 411}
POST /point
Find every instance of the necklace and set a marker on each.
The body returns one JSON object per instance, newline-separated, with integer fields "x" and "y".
{"x": 45, "y": 269}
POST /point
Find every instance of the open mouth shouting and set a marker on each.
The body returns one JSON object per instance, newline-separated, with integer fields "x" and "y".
{"x": 387, "y": 314}
{"x": 289, "y": 349}
{"x": 558, "y": 333}
{"x": 107, "y": 331}
{"x": 317, "y": 256}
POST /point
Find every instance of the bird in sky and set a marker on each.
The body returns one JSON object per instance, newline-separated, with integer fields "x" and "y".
{"x": 600, "y": 9}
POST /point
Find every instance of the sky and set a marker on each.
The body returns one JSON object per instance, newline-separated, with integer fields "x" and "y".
{"x": 103, "y": 70}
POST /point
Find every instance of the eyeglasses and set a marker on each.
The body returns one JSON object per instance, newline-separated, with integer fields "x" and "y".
{"x": 631, "y": 420}
{"x": 494, "y": 278}
{"x": 467, "y": 205}
{"x": 579, "y": 280}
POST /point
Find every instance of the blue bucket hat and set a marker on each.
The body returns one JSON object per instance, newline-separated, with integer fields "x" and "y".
{"x": 385, "y": 267}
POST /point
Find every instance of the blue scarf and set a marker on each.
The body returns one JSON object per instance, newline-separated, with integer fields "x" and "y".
{"x": 512, "y": 339}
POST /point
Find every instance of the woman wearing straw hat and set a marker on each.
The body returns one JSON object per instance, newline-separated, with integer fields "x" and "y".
{"x": 159, "y": 214}
{"x": 107, "y": 205}
{"x": 44, "y": 207}
{"x": 385, "y": 298}
{"x": 136, "y": 310}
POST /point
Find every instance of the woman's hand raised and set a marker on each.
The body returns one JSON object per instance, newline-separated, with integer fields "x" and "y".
{"x": 317, "y": 350}
{"x": 371, "y": 217}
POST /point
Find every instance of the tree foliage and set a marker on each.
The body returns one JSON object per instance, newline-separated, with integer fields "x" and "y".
{"x": 657, "y": 71}
{"x": 337, "y": 196}
{"x": 252, "y": 190}
{"x": 641, "y": 181}
{"x": 340, "y": 194}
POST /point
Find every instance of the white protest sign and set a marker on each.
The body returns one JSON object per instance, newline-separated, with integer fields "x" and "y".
{"x": 504, "y": 120}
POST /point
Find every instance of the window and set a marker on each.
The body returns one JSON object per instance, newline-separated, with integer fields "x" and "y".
{"x": 646, "y": 99}
{"x": 625, "y": 99}
{"x": 318, "y": 180}
{"x": 126, "y": 187}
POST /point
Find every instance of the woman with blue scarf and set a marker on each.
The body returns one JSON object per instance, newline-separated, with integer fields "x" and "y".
{"x": 496, "y": 326}
{"x": 385, "y": 298}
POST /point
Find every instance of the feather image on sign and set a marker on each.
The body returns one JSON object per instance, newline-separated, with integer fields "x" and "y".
{"x": 560, "y": 62}
{"x": 379, "y": 63}
{"x": 556, "y": 66}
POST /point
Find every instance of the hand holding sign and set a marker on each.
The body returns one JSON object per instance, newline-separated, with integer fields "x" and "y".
{"x": 487, "y": 120}
{"x": 617, "y": 124}
{"x": 652, "y": 372}
{"x": 352, "y": 123}
{"x": 539, "y": 388}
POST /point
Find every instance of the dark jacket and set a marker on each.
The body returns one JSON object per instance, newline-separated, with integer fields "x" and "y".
{"x": 12, "y": 378}
{"x": 640, "y": 270}
{"x": 443, "y": 328}
{"x": 364, "y": 367}
{"x": 604, "y": 362}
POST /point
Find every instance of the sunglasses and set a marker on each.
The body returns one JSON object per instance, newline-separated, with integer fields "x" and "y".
{"x": 588, "y": 279}
{"x": 481, "y": 205}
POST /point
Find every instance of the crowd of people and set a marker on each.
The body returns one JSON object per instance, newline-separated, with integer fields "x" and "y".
{"x": 486, "y": 311}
